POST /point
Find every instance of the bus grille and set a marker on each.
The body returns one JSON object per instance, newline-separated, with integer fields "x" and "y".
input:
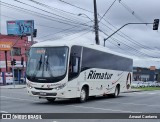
{"x": 43, "y": 88}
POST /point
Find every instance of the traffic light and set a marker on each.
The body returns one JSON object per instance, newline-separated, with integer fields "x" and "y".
{"x": 155, "y": 24}
{"x": 35, "y": 33}
{"x": 22, "y": 60}
{"x": 13, "y": 62}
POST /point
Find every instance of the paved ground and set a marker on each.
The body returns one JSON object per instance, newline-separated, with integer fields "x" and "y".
{"x": 18, "y": 101}
{"x": 11, "y": 86}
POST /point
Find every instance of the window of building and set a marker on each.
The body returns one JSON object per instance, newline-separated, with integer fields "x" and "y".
{"x": 16, "y": 51}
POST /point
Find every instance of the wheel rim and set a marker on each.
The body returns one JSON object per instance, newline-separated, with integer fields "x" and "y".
{"x": 116, "y": 91}
{"x": 83, "y": 95}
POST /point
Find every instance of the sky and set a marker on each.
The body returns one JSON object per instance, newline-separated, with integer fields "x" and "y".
{"x": 58, "y": 19}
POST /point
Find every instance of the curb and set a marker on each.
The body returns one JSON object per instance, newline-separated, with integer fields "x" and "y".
{"x": 133, "y": 91}
{"x": 17, "y": 88}
{"x": 5, "y": 87}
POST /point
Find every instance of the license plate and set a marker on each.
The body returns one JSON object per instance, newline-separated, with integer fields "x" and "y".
{"x": 42, "y": 93}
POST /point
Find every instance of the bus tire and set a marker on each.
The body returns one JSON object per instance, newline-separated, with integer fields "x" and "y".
{"x": 50, "y": 99}
{"x": 83, "y": 95}
{"x": 117, "y": 90}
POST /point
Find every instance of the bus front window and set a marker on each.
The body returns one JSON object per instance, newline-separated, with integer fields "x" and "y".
{"x": 47, "y": 63}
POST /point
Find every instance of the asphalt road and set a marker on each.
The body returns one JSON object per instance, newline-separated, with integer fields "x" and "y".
{"x": 18, "y": 101}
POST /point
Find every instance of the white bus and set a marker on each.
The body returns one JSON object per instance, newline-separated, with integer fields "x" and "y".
{"x": 60, "y": 69}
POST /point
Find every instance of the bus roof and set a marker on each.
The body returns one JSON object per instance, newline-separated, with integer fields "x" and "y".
{"x": 71, "y": 43}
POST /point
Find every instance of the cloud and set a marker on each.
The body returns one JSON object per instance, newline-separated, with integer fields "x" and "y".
{"x": 118, "y": 15}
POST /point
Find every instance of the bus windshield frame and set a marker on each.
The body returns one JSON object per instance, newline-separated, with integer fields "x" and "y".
{"x": 47, "y": 64}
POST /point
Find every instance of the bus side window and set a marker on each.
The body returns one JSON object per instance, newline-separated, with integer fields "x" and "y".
{"x": 74, "y": 67}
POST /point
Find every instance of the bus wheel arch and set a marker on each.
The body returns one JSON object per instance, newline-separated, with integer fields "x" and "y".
{"x": 84, "y": 93}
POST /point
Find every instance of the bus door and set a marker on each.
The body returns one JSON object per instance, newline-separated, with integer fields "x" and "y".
{"x": 74, "y": 68}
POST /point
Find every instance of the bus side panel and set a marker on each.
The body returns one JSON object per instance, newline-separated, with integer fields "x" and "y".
{"x": 103, "y": 81}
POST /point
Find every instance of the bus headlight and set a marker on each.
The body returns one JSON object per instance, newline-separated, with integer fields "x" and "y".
{"x": 60, "y": 86}
{"x": 29, "y": 85}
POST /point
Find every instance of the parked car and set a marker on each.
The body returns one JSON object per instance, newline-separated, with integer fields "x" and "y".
{"x": 137, "y": 84}
{"x": 146, "y": 84}
{"x": 158, "y": 84}
{"x": 134, "y": 84}
{"x": 141, "y": 84}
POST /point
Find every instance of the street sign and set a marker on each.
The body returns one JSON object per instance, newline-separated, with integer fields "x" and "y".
{"x": 5, "y": 46}
{"x": 20, "y": 27}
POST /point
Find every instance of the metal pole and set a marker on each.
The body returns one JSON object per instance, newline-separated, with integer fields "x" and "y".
{"x": 6, "y": 60}
{"x": 121, "y": 28}
{"x": 18, "y": 77}
{"x": 96, "y": 23}
{"x": 12, "y": 66}
{"x": 32, "y": 36}
{"x": 12, "y": 58}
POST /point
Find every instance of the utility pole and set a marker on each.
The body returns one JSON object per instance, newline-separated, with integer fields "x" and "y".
{"x": 32, "y": 30}
{"x": 6, "y": 60}
{"x": 96, "y": 23}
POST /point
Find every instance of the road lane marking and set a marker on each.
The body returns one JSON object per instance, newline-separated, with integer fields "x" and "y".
{"x": 144, "y": 93}
{"x": 103, "y": 109}
{"x": 152, "y": 93}
{"x": 139, "y": 93}
{"x": 3, "y": 112}
{"x": 131, "y": 104}
{"x": 19, "y": 99}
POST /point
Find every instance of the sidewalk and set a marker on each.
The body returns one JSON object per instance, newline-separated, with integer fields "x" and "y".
{"x": 17, "y": 86}
{"x": 133, "y": 90}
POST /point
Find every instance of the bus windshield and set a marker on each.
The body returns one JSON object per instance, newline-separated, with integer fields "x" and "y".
{"x": 47, "y": 64}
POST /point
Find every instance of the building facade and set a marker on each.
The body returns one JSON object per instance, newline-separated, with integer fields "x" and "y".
{"x": 19, "y": 47}
{"x": 146, "y": 74}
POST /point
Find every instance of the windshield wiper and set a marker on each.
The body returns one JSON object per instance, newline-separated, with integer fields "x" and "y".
{"x": 40, "y": 62}
{"x": 37, "y": 67}
{"x": 47, "y": 63}
{"x": 48, "y": 66}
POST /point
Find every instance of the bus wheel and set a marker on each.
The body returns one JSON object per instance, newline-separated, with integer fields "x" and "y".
{"x": 83, "y": 95}
{"x": 51, "y": 99}
{"x": 116, "y": 93}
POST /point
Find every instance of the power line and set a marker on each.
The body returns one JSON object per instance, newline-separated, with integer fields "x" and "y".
{"x": 75, "y": 6}
{"x": 133, "y": 53}
{"x": 66, "y": 19}
{"x": 118, "y": 46}
{"x": 56, "y": 32}
{"x": 128, "y": 38}
{"x": 38, "y": 14}
{"x": 80, "y": 35}
{"x": 130, "y": 11}
{"x": 51, "y": 7}
{"x": 56, "y": 9}
{"x": 33, "y": 13}
{"x": 35, "y": 24}
{"x": 129, "y": 47}
{"x": 134, "y": 43}
{"x": 65, "y": 35}
{"x": 107, "y": 10}
{"x": 51, "y": 34}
